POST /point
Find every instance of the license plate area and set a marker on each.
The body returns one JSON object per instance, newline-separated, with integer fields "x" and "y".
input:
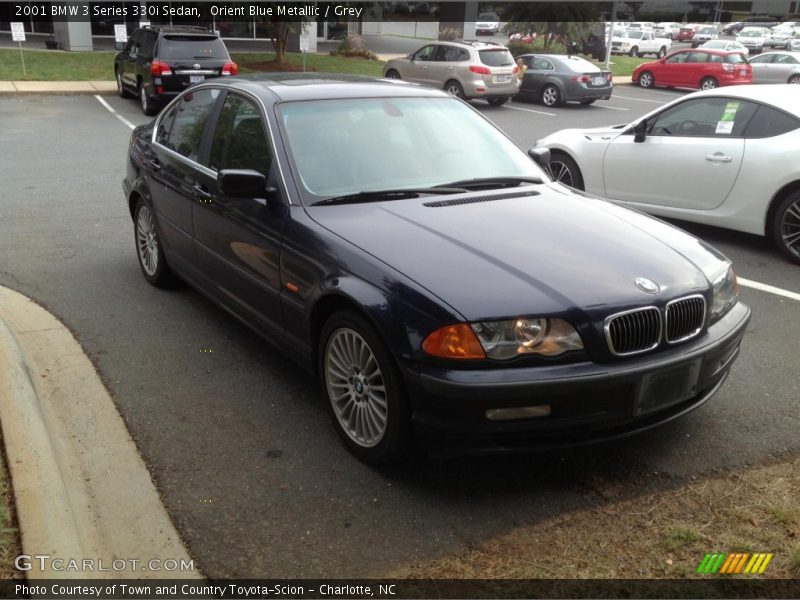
{"x": 197, "y": 78}
{"x": 502, "y": 78}
{"x": 599, "y": 80}
{"x": 663, "y": 389}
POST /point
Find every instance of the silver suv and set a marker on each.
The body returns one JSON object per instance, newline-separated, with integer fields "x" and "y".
{"x": 468, "y": 70}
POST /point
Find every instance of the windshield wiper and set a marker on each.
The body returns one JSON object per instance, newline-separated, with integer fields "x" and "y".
{"x": 399, "y": 194}
{"x": 489, "y": 183}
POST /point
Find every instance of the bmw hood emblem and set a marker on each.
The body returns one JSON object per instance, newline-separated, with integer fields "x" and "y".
{"x": 647, "y": 285}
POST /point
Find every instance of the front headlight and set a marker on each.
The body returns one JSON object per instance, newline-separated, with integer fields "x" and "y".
{"x": 725, "y": 294}
{"x": 502, "y": 340}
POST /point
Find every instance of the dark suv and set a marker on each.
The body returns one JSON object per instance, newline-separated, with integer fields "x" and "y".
{"x": 158, "y": 63}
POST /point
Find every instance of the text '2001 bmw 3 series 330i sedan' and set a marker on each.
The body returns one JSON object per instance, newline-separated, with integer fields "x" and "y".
{"x": 426, "y": 270}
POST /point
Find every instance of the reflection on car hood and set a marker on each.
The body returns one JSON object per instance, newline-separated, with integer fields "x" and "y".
{"x": 536, "y": 254}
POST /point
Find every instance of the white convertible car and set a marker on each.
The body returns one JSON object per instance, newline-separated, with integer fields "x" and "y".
{"x": 728, "y": 157}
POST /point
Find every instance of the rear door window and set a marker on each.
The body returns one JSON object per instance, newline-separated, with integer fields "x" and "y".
{"x": 189, "y": 125}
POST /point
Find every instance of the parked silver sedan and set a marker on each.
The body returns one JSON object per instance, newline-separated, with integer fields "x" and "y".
{"x": 776, "y": 67}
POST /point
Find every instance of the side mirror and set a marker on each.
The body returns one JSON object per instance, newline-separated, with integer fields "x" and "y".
{"x": 410, "y": 56}
{"x": 640, "y": 132}
{"x": 541, "y": 156}
{"x": 243, "y": 183}
{"x": 119, "y": 46}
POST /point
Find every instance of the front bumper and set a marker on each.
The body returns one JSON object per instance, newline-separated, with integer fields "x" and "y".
{"x": 588, "y": 402}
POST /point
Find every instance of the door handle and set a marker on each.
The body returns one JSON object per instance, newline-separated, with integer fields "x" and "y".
{"x": 154, "y": 164}
{"x": 201, "y": 193}
{"x": 719, "y": 158}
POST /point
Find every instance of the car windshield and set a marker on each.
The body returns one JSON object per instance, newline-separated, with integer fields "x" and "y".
{"x": 707, "y": 30}
{"x": 487, "y": 17}
{"x": 751, "y": 34}
{"x": 191, "y": 46}
{"x": 496, "y": 58}
{"x": 347, "y": 146}
{"x": 579, "y": 65}
{"x": 735, "y": 58}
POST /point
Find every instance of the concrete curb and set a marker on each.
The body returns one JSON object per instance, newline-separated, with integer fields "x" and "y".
{"x": 82, "y": 491}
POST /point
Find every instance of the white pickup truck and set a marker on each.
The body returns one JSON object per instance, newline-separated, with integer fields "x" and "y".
{"x": 638, "y": 43}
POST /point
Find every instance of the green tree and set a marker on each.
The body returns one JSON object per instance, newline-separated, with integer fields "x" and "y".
{"x": 552, "y": 20}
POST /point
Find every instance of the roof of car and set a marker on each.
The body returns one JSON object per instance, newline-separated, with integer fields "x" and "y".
{"x": 785, "y": 96}
{"x": 326, "y": 86}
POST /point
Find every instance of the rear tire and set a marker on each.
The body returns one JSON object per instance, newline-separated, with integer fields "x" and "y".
{"x": 551, "y": 96}
{"x": 634, "y": 51}
{"x": 498, "y": 101}
{"x": 785, "y": 226}
{"x": 563, "y": 169}
{"x": 646, "y": 79}
{"x": 454, "y": 88}
{"x": 363, "y": 390}
{"x": 708, "y": 83}
{"x": 149, "y": 249}
{"x": 662, "y": 52}
{"x": 794, "y": 79}
{"x": 146, "y": 102}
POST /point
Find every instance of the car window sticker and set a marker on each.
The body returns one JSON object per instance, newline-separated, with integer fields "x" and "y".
{"x": 728, "y": 118}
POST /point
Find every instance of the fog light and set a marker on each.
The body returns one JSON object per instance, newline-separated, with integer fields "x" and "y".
{"x": 519, "y": 412}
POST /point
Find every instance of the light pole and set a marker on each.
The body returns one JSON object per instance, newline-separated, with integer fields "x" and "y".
{"x": 609, "y": 35}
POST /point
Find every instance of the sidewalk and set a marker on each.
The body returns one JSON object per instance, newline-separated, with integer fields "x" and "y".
{"x": 57, "y": 87}
{"x": 81, "y": 490}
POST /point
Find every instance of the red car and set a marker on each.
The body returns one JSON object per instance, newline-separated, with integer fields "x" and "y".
{"x": 685, "y": 34}
{"x": 700, "y": 68}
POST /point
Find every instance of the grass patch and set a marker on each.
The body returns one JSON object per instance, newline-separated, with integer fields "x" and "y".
{"x": 254, "y": 62}
{"x": 636, "y": 533}
{"x": 623, "y": 66}
{"x": 57, "y": 65}
{"x": 679, "y": 538}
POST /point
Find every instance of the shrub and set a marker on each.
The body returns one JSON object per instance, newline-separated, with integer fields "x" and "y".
{"x": 353, "y": 46}
{"x": 448, "y": 34}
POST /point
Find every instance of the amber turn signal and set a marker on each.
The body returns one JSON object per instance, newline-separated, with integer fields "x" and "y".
{"x": 454, "y": 341}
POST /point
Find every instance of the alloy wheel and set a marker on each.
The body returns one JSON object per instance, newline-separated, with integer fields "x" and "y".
{"x": 790, "y": 228}
{"x": 454, "y": 90}
{"x": 708, "y": 84}
{"x": 549, "y": 96}
{"x": 646, "y": 80}
{"x": 143, "y": 99}
{"x": 356, "y": 387}
{"x": 560, "y": 172}
{"x": 794, "y": 79}
{"x": 147, "y": 241}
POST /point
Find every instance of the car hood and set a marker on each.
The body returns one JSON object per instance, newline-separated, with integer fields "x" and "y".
{"x": 546, "y": 251}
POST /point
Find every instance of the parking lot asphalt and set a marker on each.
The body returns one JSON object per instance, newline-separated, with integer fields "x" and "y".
{"x": 236, "y": 439}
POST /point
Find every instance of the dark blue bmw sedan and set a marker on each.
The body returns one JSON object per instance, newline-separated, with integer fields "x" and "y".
{"x": 400, "y": 247}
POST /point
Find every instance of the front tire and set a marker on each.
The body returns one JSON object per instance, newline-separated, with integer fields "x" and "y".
{"x": 148, "y": 247}
{"x": 634, "y": 51}
{"x": 646, "y": 79}
{"x": 785, "y": 226}
{"x": 393, "y": 74}
{"x": 454, "y": 88}
{"x": 709, "y": 83}
{"x": 563, "y": 169}
{"x": 662, "y": 52}
{"x": 551, "y": 96}
{"x": 363, "y": 390}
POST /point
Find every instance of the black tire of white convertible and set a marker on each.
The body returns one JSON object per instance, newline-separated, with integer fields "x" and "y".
{"x": 785, "y": 226}
{"x": 363, "y": 390}
{"x": 564, "y": 169}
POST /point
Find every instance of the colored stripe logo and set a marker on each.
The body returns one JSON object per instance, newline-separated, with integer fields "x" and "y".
{"x": 733, "y": 564}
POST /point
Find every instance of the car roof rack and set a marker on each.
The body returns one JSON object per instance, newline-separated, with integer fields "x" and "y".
{"x": 476, "y": 43}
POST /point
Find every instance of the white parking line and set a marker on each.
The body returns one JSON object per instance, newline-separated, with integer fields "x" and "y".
{"x": 115, "y": 113}
{"x": 638, "y": 99}
{"x": 538, "y": 112}
{"x": 610, "y": 107}
{"x": 769, "y": 288}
